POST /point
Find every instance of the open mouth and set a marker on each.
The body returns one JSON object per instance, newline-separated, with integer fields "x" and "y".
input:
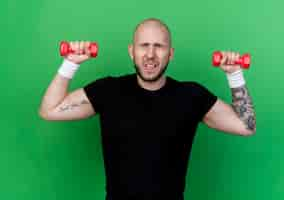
{"x": 150, "y": 66}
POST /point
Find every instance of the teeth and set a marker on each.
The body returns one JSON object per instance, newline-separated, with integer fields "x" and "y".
{"x": 150, "y": 65}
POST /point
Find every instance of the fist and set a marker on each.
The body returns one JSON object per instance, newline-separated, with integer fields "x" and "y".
{"x": 228, "y": 61}
{"x": 80, "y": 52}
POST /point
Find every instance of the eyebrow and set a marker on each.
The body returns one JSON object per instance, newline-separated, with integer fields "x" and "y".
{"x": 154, "y": 44}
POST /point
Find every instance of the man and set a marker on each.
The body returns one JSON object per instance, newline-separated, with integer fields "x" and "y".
{"x": 148, "y": 119}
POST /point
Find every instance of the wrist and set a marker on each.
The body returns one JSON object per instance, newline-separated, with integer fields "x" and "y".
{"x": 236, "y": 79}
{"x": 68, "y": 69}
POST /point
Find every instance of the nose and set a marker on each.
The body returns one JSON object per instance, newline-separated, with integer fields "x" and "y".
{"x": 150, "y": 52}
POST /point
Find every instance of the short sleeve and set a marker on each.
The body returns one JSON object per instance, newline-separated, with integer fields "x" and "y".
{"x": 204, "y": 100}
{"x": 98, "y": 92}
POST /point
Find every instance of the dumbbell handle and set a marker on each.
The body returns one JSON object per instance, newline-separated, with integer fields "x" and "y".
{"x": 244, "y": 60}
{"x": 66, "y": 49}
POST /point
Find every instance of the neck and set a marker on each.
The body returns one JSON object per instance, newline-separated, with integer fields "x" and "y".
{"x": 152, "y": 86}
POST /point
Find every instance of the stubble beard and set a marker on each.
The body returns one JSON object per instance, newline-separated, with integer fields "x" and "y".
{"x": 152, "y": 79}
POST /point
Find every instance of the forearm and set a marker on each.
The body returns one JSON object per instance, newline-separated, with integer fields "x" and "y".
{"x": 55, "y": 93}
{"x": 58, "y": 88}
{"x": 243, "y": 106}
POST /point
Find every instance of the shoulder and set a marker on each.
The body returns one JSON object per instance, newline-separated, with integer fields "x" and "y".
{"x": 192, "y": 89}
{"x": 187, "y": 86}
{"x": 194, "y": 86}
{"x": 126, "y": 78}
{"x": 110, "y": 80}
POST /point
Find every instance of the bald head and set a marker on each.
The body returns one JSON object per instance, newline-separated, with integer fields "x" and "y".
{"x": 153, "y": 23}
{"x": 151, "y": 51}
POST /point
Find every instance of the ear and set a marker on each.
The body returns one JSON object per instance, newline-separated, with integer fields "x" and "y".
{"x": 130, "y": 51}
{"x": 172, "y": 53}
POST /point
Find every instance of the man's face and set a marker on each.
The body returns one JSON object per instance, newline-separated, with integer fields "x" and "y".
{"x": 151, "y": 51}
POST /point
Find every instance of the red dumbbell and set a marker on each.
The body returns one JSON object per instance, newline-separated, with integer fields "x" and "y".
{"x": 244, "y": 60}
{"x": 65, "y": 49}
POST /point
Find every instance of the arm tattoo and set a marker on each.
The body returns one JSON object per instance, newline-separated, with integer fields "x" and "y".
{"x": 242, "y": 105}
{"x": 72, "y": 106}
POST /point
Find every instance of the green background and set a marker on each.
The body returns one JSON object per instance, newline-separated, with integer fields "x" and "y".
{"x": 63, "y": 160}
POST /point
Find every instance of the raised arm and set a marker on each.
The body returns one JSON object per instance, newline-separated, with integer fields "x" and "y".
{"x": 59, "y": 104}
{"x": 239, "y": 116}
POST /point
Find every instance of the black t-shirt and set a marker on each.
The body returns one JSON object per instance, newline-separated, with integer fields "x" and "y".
{"x": 147, "y": 135}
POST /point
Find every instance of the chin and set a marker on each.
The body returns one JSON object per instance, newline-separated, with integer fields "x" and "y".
{"x": 150, "y": 77}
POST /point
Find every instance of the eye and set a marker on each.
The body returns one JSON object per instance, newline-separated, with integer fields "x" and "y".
{"x": 144, "y": 44}
{"x": 158, "y": 45}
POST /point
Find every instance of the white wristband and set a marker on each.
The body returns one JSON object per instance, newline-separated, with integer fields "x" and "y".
{"x": 236, "y": 79}
{"x": 68, "y": 69}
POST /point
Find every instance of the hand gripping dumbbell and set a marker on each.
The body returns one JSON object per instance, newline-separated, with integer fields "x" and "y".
{"x": 66, "y": 49}
{"x": 244, "y": 60}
